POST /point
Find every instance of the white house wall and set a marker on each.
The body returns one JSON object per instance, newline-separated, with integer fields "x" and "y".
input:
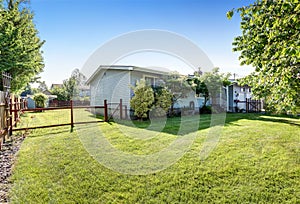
{"x": 241, "y": 94}
{"x": 185, "y": 102}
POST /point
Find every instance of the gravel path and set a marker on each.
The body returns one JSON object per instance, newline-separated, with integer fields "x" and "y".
{"x": 7, "y": 158}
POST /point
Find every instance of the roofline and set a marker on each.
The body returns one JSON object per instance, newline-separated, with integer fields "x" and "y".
{"x": 124, "y": 67}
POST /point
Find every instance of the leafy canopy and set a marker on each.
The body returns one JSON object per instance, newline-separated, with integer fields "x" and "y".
{"x": 20, "y": 46}
{"x": 209, "y": 84}
{"x": 270, "y": 42}
{"x": 178, "y": 86}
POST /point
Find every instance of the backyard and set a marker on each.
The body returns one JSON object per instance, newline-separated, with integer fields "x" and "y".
{"x": 257, "y": 160}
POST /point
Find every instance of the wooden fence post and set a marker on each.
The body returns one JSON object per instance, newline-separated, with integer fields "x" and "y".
{"x": 105, "y": 111}
{"x": 247, "y": 105}
{"x": 126, "y": 115}
{"x": 10, "y": 127}
{"x": 15, "y": 111}
{"x": 26, "y": 104}
{"x": 18, "y": 105}
{"x": 72, "y": 119}
{"x": 121, "y": 109}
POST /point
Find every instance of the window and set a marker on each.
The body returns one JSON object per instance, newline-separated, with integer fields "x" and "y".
{"x": 149, "y": 81}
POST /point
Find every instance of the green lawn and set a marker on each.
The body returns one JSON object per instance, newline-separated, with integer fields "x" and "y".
{"x": 257, "y": 160}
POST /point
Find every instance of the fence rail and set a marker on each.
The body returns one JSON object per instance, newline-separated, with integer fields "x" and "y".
{"x": 71, "y": 108}
{"x": 11, "y": 109}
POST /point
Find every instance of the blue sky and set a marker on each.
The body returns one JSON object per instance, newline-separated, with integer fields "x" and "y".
{"x": 74, "y": 29}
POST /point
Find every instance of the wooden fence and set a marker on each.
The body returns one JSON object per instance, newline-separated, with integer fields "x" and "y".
{"x": 57, "y": 103}
{"x": 117, "y": 110}
{"x": 251, "y": 105}
{"x": 10, "y": 110}
{"x": 70, "y": 107}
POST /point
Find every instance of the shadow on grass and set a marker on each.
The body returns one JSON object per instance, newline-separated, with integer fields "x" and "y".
{"x": 290, "y": 120}
{"x": 173, "y": 125}
{"x": 280, "y": 119}
{"x": 203, "y": 121}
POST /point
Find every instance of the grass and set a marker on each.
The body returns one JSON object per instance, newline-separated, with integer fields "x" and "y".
{"x": 257, "y": 160}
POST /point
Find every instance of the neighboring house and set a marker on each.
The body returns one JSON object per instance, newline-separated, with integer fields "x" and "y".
{"x": 31, "y": 102}
{"x": 56, "y": 86}
{"x": 84, "y": 91}
{"x": 237, "y": 96}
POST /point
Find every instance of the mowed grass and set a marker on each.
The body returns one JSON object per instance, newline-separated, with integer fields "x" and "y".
{"x": 257, "y": 160}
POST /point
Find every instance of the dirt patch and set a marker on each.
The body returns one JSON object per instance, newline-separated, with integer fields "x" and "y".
{"x": 7, "y": 159}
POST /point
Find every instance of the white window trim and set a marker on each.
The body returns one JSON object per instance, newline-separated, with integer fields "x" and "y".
{"x": 150, "y": 76}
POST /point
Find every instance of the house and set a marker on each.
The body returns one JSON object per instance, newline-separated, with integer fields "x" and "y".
{"x": 56, "y": 86}
{"x": 239, "y": 98}
{"x": 83, "y": 89}
{"x": 114, "y": 83}
{"x": 31, "y": 102}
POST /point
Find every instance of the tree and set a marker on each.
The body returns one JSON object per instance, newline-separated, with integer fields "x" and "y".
{"x": 79, "y": 77}
{"x": 209, "y": 84}
{"x": 178, "y": 86}
{"x": 28, "y": 90}
{"x": 42, "y": 86}
{"x": 20, "y": 46}
{"x": 270, "y": 43}
{"x": 215, "y": 81}
{"x": 70, "y": 88}
{"x": 142, "y": 100}
{"x": 198, "y": 84}
{"x": 163, "y": 100}
{"x": 60, "y": 93}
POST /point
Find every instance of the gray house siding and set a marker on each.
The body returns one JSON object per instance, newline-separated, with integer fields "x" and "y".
{"x": 110, "y": 85}
{"x": 114, "y": 83}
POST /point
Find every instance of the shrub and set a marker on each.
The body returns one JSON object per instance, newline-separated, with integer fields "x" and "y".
{"x": 205, "y": 110}
{"x": 142, "y": 100}
{"x": 40, "y": 100}
{"x": 163, "y": 101}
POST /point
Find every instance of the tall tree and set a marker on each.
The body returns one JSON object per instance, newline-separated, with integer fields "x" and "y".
{"x": 42, "y": 86}
{"x": 215, "y": 81}
{"x": 270, "y": 42}
{"x": 60, "y": 92}
{"x": 209, "y": 84}
{"x": 70, "y": 88}
{"x": 178, "y": 86}
{"x": 79, "y": 77}
{"x": 20, "y": 45}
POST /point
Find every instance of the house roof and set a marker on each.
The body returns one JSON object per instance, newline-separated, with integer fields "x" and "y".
{"x": 56, "y": 85}
{"x": 153, "y": 70}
